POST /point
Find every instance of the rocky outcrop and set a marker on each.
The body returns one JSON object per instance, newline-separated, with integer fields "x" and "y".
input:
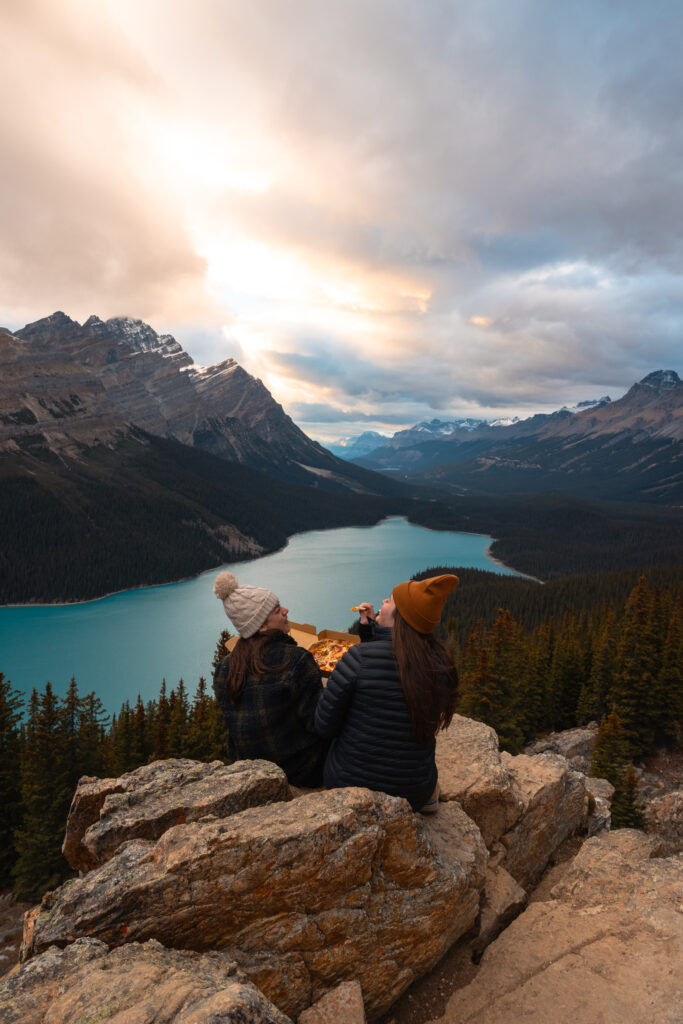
{"x": 137, "y": 984}
{"x": 502, "y": 901}
{"x": 524, "y": 806}
{"x": 607, "y": 946}
{"x": 471, "y": 772}
{"x": 664, "y": 817}
{"x": 343, "y": 1005}
{"x": 577, "y": 745}
{"x": 600, "y": 793}
{"x": 145, "y": 803}
{"x": 554, "y": 807}
{"x": 302, "y": 894}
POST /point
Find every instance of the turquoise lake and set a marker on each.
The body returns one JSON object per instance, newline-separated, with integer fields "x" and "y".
{"x": 124, "y": 645}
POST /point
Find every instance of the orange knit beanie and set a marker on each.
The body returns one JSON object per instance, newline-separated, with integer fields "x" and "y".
{"x": 420, "y": 602}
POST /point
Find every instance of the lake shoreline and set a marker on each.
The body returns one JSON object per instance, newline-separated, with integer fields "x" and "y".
{"x": 274, "y": 551}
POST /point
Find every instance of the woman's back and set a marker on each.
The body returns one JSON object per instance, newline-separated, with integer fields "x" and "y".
{"x": 272, "y": 717}
{"x": 365, "y": 708}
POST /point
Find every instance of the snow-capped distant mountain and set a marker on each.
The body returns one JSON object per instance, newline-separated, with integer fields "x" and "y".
{"x": 356, "y": 445}
{"x": 630, "y": 447}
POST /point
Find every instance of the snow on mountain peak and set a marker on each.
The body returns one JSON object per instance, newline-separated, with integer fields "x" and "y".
{"x": 661, "y": 380}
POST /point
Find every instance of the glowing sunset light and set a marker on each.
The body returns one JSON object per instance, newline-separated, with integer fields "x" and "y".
{"x": 388, "y": 211}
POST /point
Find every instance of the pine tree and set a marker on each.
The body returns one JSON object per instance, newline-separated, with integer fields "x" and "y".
{"x": 595, "y": 690}
{"x": 637, "y": 658}
{"x": 221, "y": 648}
{"x": 668, "y": 689}
{"x": 177, "y": 723}
{"x": 46, "y": 795}
{"x": 611, "y": 761}
{"x": 91, "y": 736}
{"x": 567, "y": 676}
{"x": 488, "y": 692}
{"x": 10, "y": 777}
{"x": 160, "y": 749}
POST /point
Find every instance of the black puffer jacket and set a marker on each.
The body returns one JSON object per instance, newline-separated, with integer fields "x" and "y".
{"x": 273, "y": 718}
{"x": 364, "y": 710}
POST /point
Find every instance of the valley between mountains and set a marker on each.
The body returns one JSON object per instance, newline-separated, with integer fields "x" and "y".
{"x": 122, "y": 463}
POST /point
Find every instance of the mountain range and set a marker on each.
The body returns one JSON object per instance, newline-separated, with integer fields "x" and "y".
{"x": 629, "y": 449}
{"x": 68, "y": 387}
{"x": 122, "y": 463}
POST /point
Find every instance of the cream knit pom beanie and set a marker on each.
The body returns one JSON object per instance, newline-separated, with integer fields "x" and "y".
{"x": 246, "y": 607}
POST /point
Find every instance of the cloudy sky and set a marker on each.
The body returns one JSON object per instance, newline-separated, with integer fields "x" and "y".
{"x": 389, "y": 210}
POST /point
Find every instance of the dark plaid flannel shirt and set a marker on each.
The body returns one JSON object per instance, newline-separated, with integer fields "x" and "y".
{"x": 274, "y": 716}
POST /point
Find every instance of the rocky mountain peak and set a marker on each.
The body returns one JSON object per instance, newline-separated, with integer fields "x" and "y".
{"x": 660, "y": 380}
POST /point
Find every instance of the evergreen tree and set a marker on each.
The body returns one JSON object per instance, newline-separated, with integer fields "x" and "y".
{"x": 668, "y": 690}
{"x": 567, "y": 676}
{"x": 221, "y": 648}
{"x": 10, "y": 777}
{"x": 160, "y": 749}
{"x": 92, "y": 732}
{"x": 611, "y": 761}
{"x": 46, "y": 795}
{"x": 637, "y": 658}
{"x": 177, "y": 723}
{"x": 596, "y": 688}
{"x": 488, "y": 692}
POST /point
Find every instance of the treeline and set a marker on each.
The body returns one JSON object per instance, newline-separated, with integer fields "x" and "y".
{"x": 553, "y": 535}
{"x": 48, "y": 748}
{"x": 150, "y": 511}
{"x": 620, "y": 664}
{"x": 532, "y": 659}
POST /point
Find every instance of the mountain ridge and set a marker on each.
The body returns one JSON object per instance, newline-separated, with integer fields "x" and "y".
{"x": 628, "y": 449}
{"x": 151, "y": 383}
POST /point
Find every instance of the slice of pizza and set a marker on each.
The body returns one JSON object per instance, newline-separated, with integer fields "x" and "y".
{"x": 328, "y": 652}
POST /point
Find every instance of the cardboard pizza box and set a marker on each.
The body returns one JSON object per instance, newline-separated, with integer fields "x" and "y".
{"x": 306, "y": 635}
{"x": 334, "y": 634}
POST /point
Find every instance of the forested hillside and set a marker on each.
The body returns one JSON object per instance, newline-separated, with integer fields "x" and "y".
{"x": 532, "y": 658}
{"x": 149, "y": 511}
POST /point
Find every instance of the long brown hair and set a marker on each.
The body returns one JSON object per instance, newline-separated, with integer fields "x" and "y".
{"x": 247, "y": 659}
{"x": 429, "y": 679}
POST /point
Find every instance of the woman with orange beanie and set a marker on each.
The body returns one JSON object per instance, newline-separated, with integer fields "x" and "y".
{"x": 389, "y": 696}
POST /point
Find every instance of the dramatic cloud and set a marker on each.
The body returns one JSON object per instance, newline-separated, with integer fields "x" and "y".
{"x": 387, "y": 210}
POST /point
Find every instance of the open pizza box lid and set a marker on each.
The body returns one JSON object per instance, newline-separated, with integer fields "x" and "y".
{"x": 306, "y": 635}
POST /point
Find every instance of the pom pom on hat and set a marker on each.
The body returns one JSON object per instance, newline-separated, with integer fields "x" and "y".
{"x": 225, "y": 585}
{"x": 246, "y": 607}
{"x": 420, "y": 602}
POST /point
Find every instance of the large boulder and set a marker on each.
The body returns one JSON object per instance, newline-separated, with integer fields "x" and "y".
{"x": 144, "y": 803}
{"x": 302, "y": 894}
{"x": 607, "y": 946}
{"x": 577, "y": 745}
{"x": 525, "y": 807}
{"x": 471, "y": 772}
{"x": 554, "y": 807}
{"x": 664, "y": 817}
{"x": 136, "y": 984}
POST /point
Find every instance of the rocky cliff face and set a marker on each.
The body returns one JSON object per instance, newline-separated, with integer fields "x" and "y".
{"x": 122, "y": 368}
{"x": 214, "y": 894}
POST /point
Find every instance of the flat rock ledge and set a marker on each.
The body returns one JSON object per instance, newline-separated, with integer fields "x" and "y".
{"x": 138, "y": 984}
{"x": 607, "y": 946}
{"x": 144, "y": 803}
{"x": 304, "y": 894}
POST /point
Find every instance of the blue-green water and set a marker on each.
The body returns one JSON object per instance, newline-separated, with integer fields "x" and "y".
{"x": 123, "y": 645}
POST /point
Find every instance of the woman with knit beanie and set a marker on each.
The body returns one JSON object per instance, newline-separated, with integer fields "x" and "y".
{"x": 389, "y": 696}
{"x": 268, "y": 687}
